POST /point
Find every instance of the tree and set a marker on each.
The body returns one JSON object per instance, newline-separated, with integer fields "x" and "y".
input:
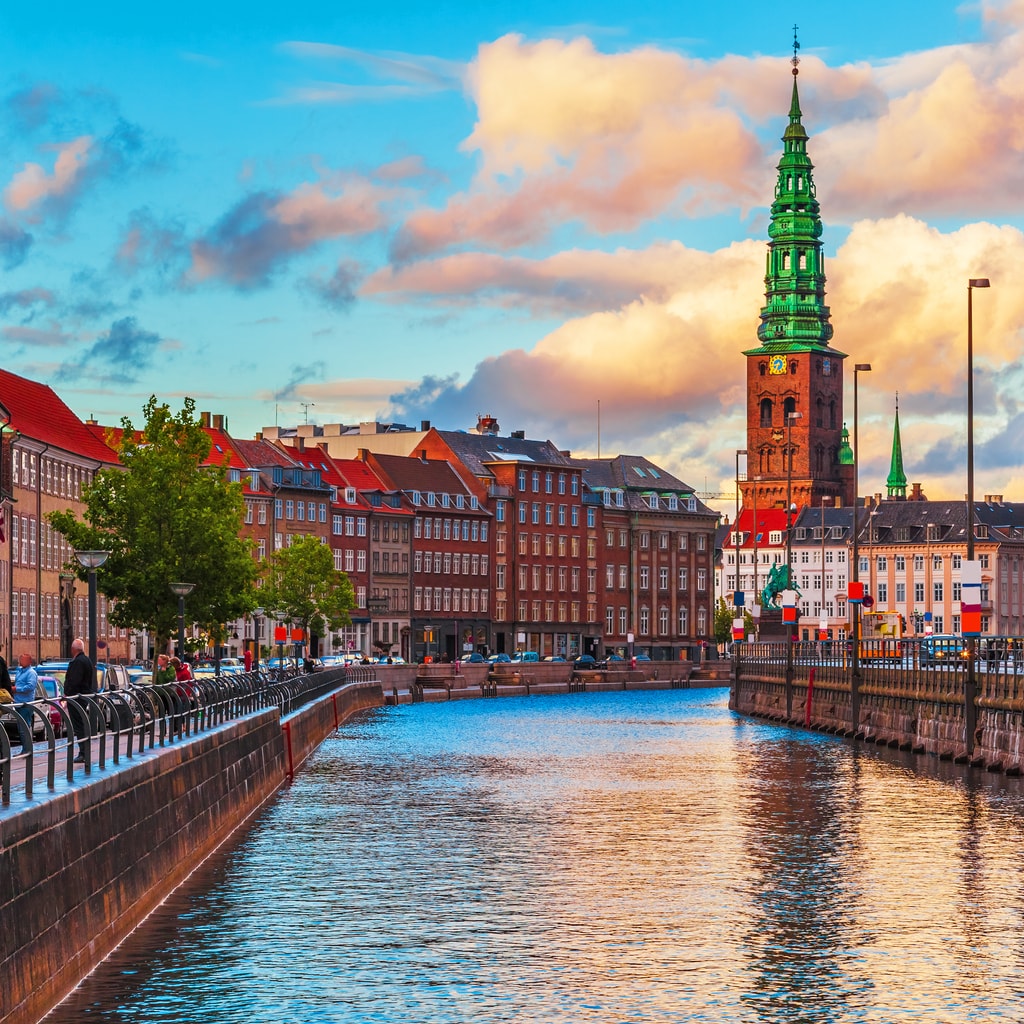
{"x": 166, "y": 516}
{"x": 301, "y": 581}
{"x": 723, "y": 622}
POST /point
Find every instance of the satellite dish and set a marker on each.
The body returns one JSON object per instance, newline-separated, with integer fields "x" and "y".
{"x": 869, "y": 601}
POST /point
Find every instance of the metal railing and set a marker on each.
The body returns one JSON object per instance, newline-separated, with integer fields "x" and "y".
{"x": 124, "y": 722}
{"x": 899, "y": 667}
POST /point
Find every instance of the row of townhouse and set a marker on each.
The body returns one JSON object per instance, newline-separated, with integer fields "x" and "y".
{"x": 455, "y": 541}
{"x": 910, "y": 556}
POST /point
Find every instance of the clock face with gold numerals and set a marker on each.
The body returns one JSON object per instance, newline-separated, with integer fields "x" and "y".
{"x": 777, "y": 364}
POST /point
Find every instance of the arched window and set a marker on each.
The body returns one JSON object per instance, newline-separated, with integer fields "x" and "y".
{"x": 788, "y": 406}
{"x": 785, "y": 261}
{"x": 762, "y": 368}
{"x": 832, "y": 414}
{"x": 767, "y": 407}
{"x": 803, "y": 261}
{"x": 792, "y": 366}
{"x": 819, "y": 411}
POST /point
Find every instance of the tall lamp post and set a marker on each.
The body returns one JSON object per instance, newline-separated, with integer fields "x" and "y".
{"x": 855, "y": 574}
{"x": 92, "y": 560}
{"x": 257, "y": 622}
{"x": 970, "y": 687}
{"x": 182, "y": 590}
{"x": 736, "y": 527}
{"x": 790, "y": 418}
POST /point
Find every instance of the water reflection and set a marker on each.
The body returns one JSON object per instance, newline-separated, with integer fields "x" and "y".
{"x": 599, "y": 858}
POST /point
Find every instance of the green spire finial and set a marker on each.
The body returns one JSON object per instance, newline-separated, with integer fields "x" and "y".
{"x": 896, "y": 482}
{"x": 845, "y": 451}
{"x": 795, "y": 317}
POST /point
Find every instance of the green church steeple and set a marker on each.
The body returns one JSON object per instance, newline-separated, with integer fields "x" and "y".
{"x": 795, "y": 317}
{"x": 845, "y": 451}
{"x": 896, "y": 482}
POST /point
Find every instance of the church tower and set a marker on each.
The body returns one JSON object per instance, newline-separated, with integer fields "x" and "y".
{"x": 794, "y": 370}
{"x": 896, "y": 482}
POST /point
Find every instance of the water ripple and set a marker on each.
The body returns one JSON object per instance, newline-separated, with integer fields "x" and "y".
{"x": 607, "y": 858}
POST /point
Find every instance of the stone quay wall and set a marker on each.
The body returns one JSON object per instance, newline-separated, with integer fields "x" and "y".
{"x": 81, "y": 868}
{"x": 918, "y": 710}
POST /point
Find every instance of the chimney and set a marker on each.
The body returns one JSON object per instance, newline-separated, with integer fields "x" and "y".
{"x": 219, "y": 423}
{"x": 363, "y": 454}
{"x": 204, "y": 419}
{"x": 424, "y": 425}
{"x": 423, "y": 454}
{"x": 519, "y": 435}
{"x": 486, "y": 425}
{"x": 259, "y": 435}
{"x": 300, "y": 443}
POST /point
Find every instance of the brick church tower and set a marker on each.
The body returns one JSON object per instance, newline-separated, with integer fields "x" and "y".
{"x": 794, "y": 370}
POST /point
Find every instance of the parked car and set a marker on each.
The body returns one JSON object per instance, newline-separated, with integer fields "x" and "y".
{"x": 46, "y": 687}
{"x": 554, "y": 657}
{"x": 495, "y": 658}
{"x": 523, "y": 656}
{"x": 476, "y": 658}
{"x": 612, "y": 661}
{"x": 334, "y": 660}
{"x": 108, "y": 677}
{"x": 585, "y": 661}
{"x": 643, "y": 657}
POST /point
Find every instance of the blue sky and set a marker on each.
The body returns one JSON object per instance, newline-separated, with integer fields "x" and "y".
{"x": 436, "y": 211}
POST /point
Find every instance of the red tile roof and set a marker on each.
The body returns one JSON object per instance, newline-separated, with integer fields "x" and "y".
{"x": 39, "y": 414}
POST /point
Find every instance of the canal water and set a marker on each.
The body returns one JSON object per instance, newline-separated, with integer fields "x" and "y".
{"x": 606, "y": 858}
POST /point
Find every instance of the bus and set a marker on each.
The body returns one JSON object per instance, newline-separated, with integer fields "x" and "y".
{"x": 880, "y": 636}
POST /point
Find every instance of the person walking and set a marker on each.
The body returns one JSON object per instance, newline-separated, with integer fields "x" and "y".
{"x": 80, "y": 681}
{"x": 163, "y": 673}
{"x": 25, "y": 679}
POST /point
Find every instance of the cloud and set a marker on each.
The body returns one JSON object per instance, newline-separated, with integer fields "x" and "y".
{"x": 26, "y": 299}
{"x": 265, "y": 229}
{"x": 300, "y": 374}
{"x": 668, "y": 369}
{"x": 418, "y": 75}
{"x": 572, "y": 281}
{"x": 36, "y": 194}
{"x": 337, "y": 291}
{"x": 30, "y": 108}
{"x": 117, "y": 356}
{"x": 566, "y": 133}
{"x": 15, "y": 243}
{"x": 38, "y": 337}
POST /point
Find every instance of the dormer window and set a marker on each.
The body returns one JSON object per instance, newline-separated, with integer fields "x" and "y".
{"x": 350, "y": 495}
{"x": 774, "y": 536}
{"x": 431, "y": 498}
{"x": 460, "y": 501}
{"x": 673, "y": 503}
{"x": 417, "y": 498}
{"x": 445, "y": 501}
{"x": 620, "y": 499}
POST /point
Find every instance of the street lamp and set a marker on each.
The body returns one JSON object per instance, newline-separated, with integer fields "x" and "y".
{"x": 92, "y": 560}
{"x": 182, "y": 590}
{"x": 736, "y": 527}
{"x": 790, "y": 417}
{"x": 257, "y": 622}
{"x": 970, "y": 688}
{"x": 855, "y": 604}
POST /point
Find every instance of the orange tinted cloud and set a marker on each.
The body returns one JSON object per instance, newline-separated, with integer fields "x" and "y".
{"x": 33, "y": 186}
{"x": 666, "y": 362}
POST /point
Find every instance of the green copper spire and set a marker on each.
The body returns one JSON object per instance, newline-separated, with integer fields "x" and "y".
{"x": 845, "y": 451}
{"x": 896, "y": 482}
{"x": 795, "y": 317}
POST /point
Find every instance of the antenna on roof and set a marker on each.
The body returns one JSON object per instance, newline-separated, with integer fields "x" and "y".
{"x": 305, "y": 409}
{"x": 599, "y": 428}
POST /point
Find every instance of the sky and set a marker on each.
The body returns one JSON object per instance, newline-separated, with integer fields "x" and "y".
{"x": 552, "y": 214}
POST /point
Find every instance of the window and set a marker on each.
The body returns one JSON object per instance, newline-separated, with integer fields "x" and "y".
{"x": 609, "y": 620}
{"x": 645, "y": 577}
{"x": 901, "y": 593}
{"x": 702, "y": 579}
{"x": 684, "y": 577}
{"x": 937, "y": 591}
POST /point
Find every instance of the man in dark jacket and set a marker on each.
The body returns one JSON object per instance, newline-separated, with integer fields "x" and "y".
{"x": 80, "y": 679}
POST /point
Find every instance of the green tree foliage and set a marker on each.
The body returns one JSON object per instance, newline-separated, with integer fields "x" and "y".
{"x": 301, "y": 581}
{"x": 723, "y": 622}
{"x": 166, "y": 517}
